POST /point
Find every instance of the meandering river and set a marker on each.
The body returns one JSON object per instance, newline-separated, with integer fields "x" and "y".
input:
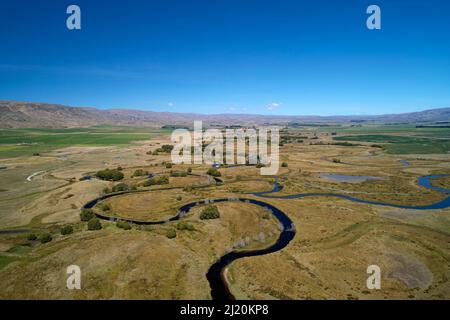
{"x": 215, "y": 275}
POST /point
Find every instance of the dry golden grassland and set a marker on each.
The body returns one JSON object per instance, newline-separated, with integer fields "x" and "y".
{"x": 336, "y": 239}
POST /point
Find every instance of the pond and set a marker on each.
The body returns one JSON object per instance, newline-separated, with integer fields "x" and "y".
{"x": 347, "y": 178}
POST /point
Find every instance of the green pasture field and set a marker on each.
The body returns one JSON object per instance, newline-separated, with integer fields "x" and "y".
{"x": 403, "y": 144}
{"x": 26, "y": 142}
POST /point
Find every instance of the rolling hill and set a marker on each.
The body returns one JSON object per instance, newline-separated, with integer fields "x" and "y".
{"x": 42, "y": 115}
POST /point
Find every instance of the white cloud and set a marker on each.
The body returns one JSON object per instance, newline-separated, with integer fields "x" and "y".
{"x": 171, "y": 104}
{"x": 273, "y": 106}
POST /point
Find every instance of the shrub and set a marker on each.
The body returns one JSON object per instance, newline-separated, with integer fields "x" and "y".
{"x": 105, "y": 207}
{"x": 109, "y": 175}
{"x": 156, "y": 181}
{"x": 140, "y": 173}
{"x": 94, "y": 224}
{"x": 189, "y": 170}
{"x": 284, "y": 165}
{"x": 31, "y": 237}
{"x": 119, "y": 168}
{"x": 120, "y": 187}
{"x": 335, "y": 160}
{"x": 171, "y": 233}
{"x": 213, "y": 172}
{"x": 123, "y": 225}
{"x": 178, "y": 174}
{"x": 45, "y": 237}
{"x": 86, "y": 215}
{"x": 168, "y": 165}
{"x": 66, "y": 230}
{"x": 179, "y": 198}
{"x": 210, "y": 212}
{"x": 183, "y": 225}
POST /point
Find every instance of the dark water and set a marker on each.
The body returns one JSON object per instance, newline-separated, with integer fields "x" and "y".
{"x": 219, "y": 288}
{"x": 215, "y": 276}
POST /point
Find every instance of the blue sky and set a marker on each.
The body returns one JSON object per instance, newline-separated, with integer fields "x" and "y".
{"x": 228, "y": 56}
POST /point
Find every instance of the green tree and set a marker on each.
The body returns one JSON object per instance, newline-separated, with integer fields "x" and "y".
{"x": 171, "y": 233}
{"x": 31, "y": 237}
{"x": 183, "y": 225}
{"x": 94, "y": 224}
{"x": 140, "y": 173}
{"x": 156, "y": 181}
{"x": 110, "y": 175}
{"x": 87, "y": 214}
{"x": 66, "y": 230}
{"x": 167, "y": 148}
{"x": 123, "y": 225}
{"x": 284, "y": 165}
{"x": 210, "y": 212}
{"x": 120, "y": 187}
{"x": 45, "y": 237}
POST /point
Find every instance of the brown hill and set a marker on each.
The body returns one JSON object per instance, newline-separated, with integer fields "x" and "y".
{"x": 42, "y": 115}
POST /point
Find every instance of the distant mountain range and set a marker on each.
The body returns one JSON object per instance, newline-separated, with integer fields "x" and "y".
{"x": 42, "y": 115}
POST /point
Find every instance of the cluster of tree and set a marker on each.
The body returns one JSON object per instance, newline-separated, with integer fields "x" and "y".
{"x": 140, "y": 173}
{"x": 167, "y": 148}
{"x": 160, "y": 180}
{"x": 43, "y": 238}
{"x": 110, "y": 175}
{"x": 213, "y": 172}
{"x": 210, "y": 212}
{"x": 88, "y": 215}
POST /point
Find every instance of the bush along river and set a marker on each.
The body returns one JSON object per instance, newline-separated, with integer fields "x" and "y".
{"x": 215, "y": 274}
